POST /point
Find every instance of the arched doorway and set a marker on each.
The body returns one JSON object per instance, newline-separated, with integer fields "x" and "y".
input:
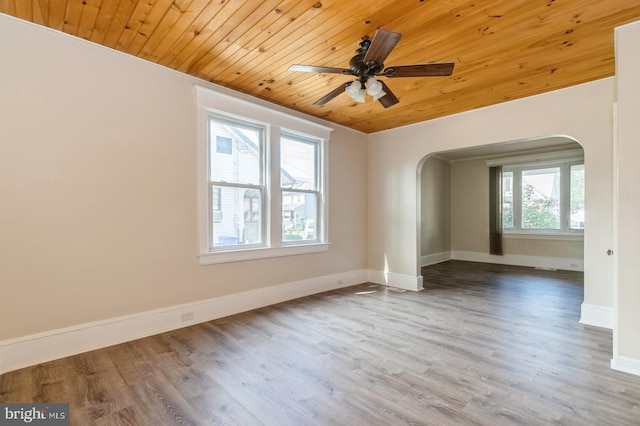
{"x": 548, "y": 230}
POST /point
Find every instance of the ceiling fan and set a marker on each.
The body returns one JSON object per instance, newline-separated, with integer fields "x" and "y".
{"x": 368, "y": 63}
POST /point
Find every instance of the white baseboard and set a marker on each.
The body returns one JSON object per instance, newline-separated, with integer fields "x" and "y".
{"x": 407, "y": 282}
{"x": 521, "y": 260}
{"x": 627, "y": 365}
{"x": 37, "y": 348}
{"x": 598, "y": 316}
{"x": 432, "y": 259}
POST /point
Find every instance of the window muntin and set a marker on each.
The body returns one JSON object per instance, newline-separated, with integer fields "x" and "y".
{"x": 245, "y": 165}
{"x": 236, "y": 180}
{"x": 300, "y": 179}
{"x": 543, "y": 198}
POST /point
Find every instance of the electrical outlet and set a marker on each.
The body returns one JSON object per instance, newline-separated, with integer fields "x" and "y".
{"x": 188, "y": 316}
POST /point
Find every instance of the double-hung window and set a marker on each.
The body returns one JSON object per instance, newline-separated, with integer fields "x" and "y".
{"x": 236, "y": 180}
{"x": 262, "y": 181}
{"x": 300, "y": 184}
{"x": 543, "y": 198}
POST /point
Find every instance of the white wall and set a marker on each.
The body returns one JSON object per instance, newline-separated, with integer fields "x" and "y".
{"x": 626, "y": 337}
{"x": 582, "y": 112}
{"x": 98, "y": 216}
{"x": 470, "y": 206}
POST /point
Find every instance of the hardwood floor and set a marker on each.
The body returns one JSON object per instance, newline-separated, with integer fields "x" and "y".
{"x": 483, "y": 344}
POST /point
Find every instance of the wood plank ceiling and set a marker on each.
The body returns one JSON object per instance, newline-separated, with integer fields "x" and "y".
{"x": 502, "y": 49}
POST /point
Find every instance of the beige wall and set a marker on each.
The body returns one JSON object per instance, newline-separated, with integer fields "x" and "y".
{"x": 98, "y": 214}
{"x": 470, "y": 206}
{"x": 626, "y": 335}
{"x": 470, "y": 218}
{"x": 435, "y": 232}
{"x": 541, "y": 247}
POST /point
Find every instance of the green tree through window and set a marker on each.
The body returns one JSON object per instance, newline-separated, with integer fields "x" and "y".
{"x": 539, "y": 211}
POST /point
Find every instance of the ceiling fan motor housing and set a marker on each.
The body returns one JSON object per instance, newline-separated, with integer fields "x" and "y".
{"x": 357, "y": 65}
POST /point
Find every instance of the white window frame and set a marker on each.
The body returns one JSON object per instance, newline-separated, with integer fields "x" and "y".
{"x": 318, "y": 191}
{"x": 564, "y": 160}
{"x": 229, "y": 105}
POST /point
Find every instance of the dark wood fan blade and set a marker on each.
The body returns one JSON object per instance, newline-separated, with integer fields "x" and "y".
{"x": 421, "y": 70}
{"x": 326, "y": 70}
{"x": 382, "y": 44}
{"x": 389, "y": 99}
{"x": 335, "y": 92}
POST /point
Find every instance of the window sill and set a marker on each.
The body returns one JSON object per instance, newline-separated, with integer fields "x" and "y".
{"x": 558, "y": 236}
{"x": 240, "y": 255}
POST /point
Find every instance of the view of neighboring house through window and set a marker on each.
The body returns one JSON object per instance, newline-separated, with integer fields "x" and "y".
{"x": 236, "y": 182}
{"x": 543, "y": 198}
{"x": 301, "y": 186}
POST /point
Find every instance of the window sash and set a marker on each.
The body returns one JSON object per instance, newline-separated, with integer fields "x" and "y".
{"x": 215, "y": 244}
{"x": 236, "y": 125}
{"x": 315, "y": 144}
{"x": 311, "y": 166}
{"x": 235, "y": 240}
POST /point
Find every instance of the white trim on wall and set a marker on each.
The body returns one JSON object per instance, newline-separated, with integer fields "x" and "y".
{"x": 597, "y": 316}
{"x": 539, "y": 159}
{"x": 41, "y": 347}
{"x": 407, "y": 282}
{"x": 521, "y": 260}
{"x": 625, "y": 364}
{"x": 432, "y": 259}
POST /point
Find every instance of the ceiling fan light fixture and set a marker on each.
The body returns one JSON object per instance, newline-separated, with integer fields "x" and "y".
{"x": 379, "y": 95}
{"x": 374, "y": 87}
{"x": 356, "y": 91}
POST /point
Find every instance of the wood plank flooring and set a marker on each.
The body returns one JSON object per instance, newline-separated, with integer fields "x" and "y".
{"x": 482, "y": 345}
